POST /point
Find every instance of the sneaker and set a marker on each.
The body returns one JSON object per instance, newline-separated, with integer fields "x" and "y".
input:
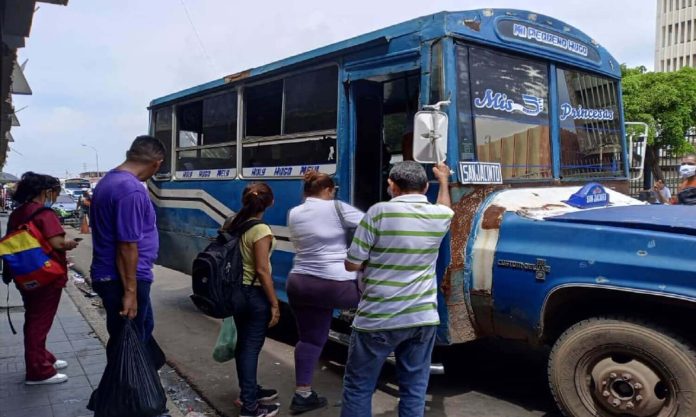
{"x": 301, "y": 404}
{"x": 263, "y": 395}
{"x": 55, "y": 379}
{"x": 59, "y": 364}
{"x": 266, "y": 394}
{"x": 262, "y": 410}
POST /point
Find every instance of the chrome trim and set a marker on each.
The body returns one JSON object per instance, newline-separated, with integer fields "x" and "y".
{"x": 344, "y": 339}
{"x": 605, "y": 287}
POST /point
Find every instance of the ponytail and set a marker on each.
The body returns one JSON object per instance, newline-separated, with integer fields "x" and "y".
{"x": 315, "y": 182}
{"x": 256, "y": 198}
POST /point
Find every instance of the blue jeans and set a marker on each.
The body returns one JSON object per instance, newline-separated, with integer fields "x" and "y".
{"x": 366, "y": 355}
{"x": 252, "y": 325}
{"x": 111, "y": 293}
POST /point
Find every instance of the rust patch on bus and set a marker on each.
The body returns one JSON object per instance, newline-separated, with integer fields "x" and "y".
{"x": 466, "y": 202}
{"x": 473, "y": 24}
{"x": 492, "y": 217}
{"x": 238, "y": 76}
{"x": 467, "y": 199}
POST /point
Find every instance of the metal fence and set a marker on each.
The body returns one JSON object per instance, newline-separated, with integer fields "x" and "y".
{"x": 669, "y": 164}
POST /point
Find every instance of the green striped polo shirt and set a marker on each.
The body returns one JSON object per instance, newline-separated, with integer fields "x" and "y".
{"x": 399, "y": 240}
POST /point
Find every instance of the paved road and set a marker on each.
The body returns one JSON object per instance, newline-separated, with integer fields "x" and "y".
{"x": 489, "y": 379}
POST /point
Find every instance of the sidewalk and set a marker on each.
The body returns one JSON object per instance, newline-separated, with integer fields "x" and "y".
{"x": 70, "y": 339}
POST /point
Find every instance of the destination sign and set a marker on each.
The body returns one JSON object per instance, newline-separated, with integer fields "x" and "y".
{"x": 480, "y": 173}
{"x": 541, "y": 36}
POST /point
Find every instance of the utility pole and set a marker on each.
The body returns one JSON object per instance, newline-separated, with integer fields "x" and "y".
{"x": 95, "y": 153}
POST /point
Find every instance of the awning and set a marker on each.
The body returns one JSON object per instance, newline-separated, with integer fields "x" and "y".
{"x": 19, "y": 85}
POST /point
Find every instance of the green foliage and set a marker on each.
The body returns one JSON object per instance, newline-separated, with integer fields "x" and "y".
{"x": 666, "y": 101}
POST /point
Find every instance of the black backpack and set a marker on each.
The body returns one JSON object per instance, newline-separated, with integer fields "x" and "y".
{"x": 218, "y": 273}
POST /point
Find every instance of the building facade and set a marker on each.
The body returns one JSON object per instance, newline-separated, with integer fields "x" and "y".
{"x": 15, "y": 25}
{"x": 675, "y": 45}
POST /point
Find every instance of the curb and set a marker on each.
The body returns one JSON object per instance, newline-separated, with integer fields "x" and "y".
{"x": 98, "y": 324}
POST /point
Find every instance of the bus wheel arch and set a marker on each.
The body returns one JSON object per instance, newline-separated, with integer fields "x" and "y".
{"x": 612, "y": 365}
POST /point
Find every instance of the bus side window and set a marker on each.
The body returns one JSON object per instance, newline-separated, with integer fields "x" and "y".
{"x": 163, "y": 132}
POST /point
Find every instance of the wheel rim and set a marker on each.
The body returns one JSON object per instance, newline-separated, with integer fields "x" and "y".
{"x": 622, "y": 382}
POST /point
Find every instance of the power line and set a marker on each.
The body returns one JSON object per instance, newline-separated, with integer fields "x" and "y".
{"x": 198, "y": 36}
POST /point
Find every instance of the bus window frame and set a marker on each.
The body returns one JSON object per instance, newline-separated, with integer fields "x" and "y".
{"x": 551, "y": 88}
{"x": 175, "y": 136}
{"x": 620, "y": 124}
{"x": 241, "y": 126}
{"x": 165, "y": 176}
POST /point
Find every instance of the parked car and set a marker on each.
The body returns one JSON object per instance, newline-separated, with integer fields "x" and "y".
{"x": 66, "y": 208}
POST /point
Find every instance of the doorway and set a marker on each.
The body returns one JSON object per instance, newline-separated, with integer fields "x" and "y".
{"x": 384, "y": 107}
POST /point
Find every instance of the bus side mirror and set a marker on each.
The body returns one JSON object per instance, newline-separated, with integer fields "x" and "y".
{"x": 430, "y": 136}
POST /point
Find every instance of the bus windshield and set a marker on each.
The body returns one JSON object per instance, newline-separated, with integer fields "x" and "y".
{"x": 505, "y": 116}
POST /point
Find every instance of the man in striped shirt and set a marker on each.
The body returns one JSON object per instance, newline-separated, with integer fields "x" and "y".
{"x": 396, "y": 245}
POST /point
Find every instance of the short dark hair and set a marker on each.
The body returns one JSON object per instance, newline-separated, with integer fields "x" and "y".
{"x": 409, "y": 176}
{"x": 32, "y": 184}
{"x": 146, "y": 149}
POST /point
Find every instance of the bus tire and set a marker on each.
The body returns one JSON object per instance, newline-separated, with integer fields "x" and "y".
{"x": 609, "y": 366}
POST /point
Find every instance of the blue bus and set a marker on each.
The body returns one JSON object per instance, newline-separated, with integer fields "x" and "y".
{"x": 534, "y": 112}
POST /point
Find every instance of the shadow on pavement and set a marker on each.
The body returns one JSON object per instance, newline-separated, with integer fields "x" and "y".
{"x": 500, "y": 369}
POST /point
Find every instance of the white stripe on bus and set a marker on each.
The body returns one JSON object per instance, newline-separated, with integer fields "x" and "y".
{"x": 278, "y": 231}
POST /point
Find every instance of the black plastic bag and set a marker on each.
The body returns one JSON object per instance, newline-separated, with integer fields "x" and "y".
{"x": 130, "y": 386}
{"x": 156, "y": 354}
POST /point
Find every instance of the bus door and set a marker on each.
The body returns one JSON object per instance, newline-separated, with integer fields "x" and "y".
{"x": 383, "y": 110}
{"x": 368, "y": 158}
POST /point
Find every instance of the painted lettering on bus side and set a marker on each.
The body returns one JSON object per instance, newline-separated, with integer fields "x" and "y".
{"x": 495, "y": 101}
{"x": 258, "y": 172}
{"x": 580, "y": 113}
{"x": 533, "y": 105}
{"x": 306, "y": 168}
{"x": 204, "y": 174}
{"x": 223, "y": 173}
{"x": 282, "y": 171}
{"x": 188, "y": 174}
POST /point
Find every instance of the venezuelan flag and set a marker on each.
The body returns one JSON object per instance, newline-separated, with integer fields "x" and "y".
{"x": 27, "y": 259}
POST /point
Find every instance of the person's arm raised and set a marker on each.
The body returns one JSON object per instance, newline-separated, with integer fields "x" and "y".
{"x": 442, "y": 174}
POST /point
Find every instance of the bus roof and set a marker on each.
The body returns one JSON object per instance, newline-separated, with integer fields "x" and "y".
{"x": 516, "y": 30}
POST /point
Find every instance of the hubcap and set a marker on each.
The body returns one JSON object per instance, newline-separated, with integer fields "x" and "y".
{"x": 628, "y": 387}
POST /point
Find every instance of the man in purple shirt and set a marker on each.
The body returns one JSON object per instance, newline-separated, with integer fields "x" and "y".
{"x": 125, "y": 240}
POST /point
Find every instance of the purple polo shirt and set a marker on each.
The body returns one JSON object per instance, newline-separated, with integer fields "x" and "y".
{"x": 121, "y": 211}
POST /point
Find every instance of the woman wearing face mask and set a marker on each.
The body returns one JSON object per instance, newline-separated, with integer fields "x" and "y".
{"x": 686, "y": 192}
{"x": 34, "y": 193}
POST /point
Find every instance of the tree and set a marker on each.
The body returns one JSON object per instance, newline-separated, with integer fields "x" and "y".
{"x": 666, "y": 101}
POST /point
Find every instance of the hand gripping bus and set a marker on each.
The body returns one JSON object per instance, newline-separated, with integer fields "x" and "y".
{"x": 545, "y": 247}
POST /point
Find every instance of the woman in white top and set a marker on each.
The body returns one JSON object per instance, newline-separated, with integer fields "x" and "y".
{"x": 318, "y": 282}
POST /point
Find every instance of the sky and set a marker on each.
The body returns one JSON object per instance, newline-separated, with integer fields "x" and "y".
{"x": 96, "y": 64}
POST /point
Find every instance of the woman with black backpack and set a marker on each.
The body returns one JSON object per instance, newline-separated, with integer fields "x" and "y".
{"x": 36, "y": 193}
{"x": 262, "y": 309}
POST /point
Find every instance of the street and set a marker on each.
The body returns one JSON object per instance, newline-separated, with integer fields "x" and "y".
{"x": 487, "y": 380}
